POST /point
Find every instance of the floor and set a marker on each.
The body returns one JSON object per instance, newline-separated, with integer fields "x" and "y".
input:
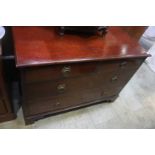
{"x": 134, "y": 108}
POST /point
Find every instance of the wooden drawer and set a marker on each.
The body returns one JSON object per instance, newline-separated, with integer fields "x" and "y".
{"x": 119, "y": 65}
{"x": 52, "y": 88}
{"x": 56, "y": 72}
{"x": 118, "y": 80}
{"x": 63, "y": 101}
{"x": 2, "y": 107}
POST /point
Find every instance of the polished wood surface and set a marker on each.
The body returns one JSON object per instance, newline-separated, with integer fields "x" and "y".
{"x": 134, "y": 31}
{"x": 42, "y": 46}
{"x": 57, "y": 72}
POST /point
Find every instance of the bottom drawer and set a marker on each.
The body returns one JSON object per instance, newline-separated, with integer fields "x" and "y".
{"x": 2, "y": 107}
{"x": 64, "y": 101}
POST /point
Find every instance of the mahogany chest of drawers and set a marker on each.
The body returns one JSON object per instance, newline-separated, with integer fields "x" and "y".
{"x": 61, "y": 73}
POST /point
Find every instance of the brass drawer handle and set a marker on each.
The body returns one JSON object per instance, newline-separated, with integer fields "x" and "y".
{"x": 115, "y": 78}
{"x": 61, "y": 87}
{"x": 57, "y": 104}
{"x": 66, "y": 70}
{"x": 123, "y": 64}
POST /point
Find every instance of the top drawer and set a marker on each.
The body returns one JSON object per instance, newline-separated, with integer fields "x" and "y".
{"x": 120, "y": 65}
{"x": 56, "y": 72}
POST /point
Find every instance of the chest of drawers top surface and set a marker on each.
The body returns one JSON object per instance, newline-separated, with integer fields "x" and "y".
{"x": 42, "y": 45}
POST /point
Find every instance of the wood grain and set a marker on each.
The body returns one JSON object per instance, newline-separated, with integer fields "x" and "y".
{"x": 42, "y": 46}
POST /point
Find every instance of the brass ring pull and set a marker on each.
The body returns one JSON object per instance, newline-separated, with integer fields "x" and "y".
{"x": 123, "y": 64}
{"x": 115, "y": 78}
{"x": 66, "y": 70}
{"x": 61, "y": 87}
{"x": 57, "y": 104}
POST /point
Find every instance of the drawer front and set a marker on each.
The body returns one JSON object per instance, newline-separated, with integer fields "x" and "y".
{"x": 120, "y": 65}
{"x": 118, "y": 80}
{"x": 65, "y": 86}
{"x": 2, "y": 107}
{"x": 130, "y": 64}
{"x": 55, "y": 72}
{"x": 64, "y": 101}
